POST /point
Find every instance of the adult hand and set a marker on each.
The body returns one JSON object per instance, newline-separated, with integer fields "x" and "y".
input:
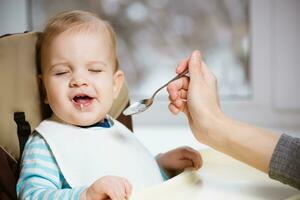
{"x": 195, "y": 95}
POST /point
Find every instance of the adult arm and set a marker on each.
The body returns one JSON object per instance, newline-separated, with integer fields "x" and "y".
{"x": 198, "y": 98}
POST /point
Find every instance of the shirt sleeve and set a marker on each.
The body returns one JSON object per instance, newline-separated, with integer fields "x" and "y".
{"x": 285, "y": 162}
{"x": 40, "y": 177}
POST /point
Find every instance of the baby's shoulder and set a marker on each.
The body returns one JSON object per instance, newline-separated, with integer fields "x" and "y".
{"x": 35, "y": 137}
{"x": 36, "y": 140}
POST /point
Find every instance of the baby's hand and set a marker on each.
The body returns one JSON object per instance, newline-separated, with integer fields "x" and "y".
{"x": 108, "y": 187}
{"x": 176, "y": 160}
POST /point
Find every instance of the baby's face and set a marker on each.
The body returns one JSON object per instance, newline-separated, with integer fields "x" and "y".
{"x": 79, "y": 77}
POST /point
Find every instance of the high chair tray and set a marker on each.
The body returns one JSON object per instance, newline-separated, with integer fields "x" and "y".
{"x": 221, "y": 177}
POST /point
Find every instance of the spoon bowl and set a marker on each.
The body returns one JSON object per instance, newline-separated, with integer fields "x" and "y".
{"x": 142, "y": 105}
{"x": 138, "y": 107}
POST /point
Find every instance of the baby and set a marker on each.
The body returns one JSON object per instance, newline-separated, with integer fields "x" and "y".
{"x": 81, "y": 152}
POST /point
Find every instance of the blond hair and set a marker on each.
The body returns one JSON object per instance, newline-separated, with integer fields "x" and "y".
{"x": 79, "y": 21}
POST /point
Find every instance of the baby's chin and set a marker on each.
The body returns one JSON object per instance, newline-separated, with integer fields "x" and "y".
{"x": 85, "y": 122}
{"x": 81, "y": 120}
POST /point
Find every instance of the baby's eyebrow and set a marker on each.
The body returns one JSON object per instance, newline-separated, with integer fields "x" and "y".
{"x": 58, "y": 64}
{"x": 97, "y": 62}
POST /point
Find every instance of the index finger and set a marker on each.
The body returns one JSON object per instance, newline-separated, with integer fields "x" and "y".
{"x": 182, "y": 66}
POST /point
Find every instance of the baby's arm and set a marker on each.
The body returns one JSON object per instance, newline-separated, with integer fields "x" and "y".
{"x": 40, "y": 177}
{"x": 175, "y": 161}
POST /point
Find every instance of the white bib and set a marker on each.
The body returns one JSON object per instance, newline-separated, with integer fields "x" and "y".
{"x": 87, "y": 154}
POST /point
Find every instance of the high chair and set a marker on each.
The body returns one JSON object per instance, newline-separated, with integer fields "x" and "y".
{"x": 21, "y": 107}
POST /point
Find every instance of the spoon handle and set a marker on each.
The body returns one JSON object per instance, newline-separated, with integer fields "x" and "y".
{"x": 175, "y": 78}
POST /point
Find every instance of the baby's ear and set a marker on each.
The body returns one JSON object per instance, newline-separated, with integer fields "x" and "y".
{"x": 119, "y": 78}
{"x": 42, "y": 89}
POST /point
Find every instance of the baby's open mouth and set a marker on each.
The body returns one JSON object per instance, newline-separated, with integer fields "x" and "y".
{"x": 82, "y": 100}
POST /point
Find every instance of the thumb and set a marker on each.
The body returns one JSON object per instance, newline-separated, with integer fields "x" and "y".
{"x": 195, "y": 66}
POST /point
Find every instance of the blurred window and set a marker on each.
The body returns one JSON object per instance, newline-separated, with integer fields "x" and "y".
{"x": 154, "y": 35}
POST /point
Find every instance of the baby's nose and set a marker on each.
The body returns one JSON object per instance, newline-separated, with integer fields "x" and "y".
{"x": 78, "y": 81}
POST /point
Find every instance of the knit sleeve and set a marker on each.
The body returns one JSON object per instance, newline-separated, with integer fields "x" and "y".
{"x": 285, "y": 162}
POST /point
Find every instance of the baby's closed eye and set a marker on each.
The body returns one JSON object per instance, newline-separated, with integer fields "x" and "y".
{"x": 96, "y": 70}
{"x": 59, "y": 73}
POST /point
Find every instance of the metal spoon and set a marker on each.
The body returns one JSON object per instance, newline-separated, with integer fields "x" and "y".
{"x": 142, "y": 105}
